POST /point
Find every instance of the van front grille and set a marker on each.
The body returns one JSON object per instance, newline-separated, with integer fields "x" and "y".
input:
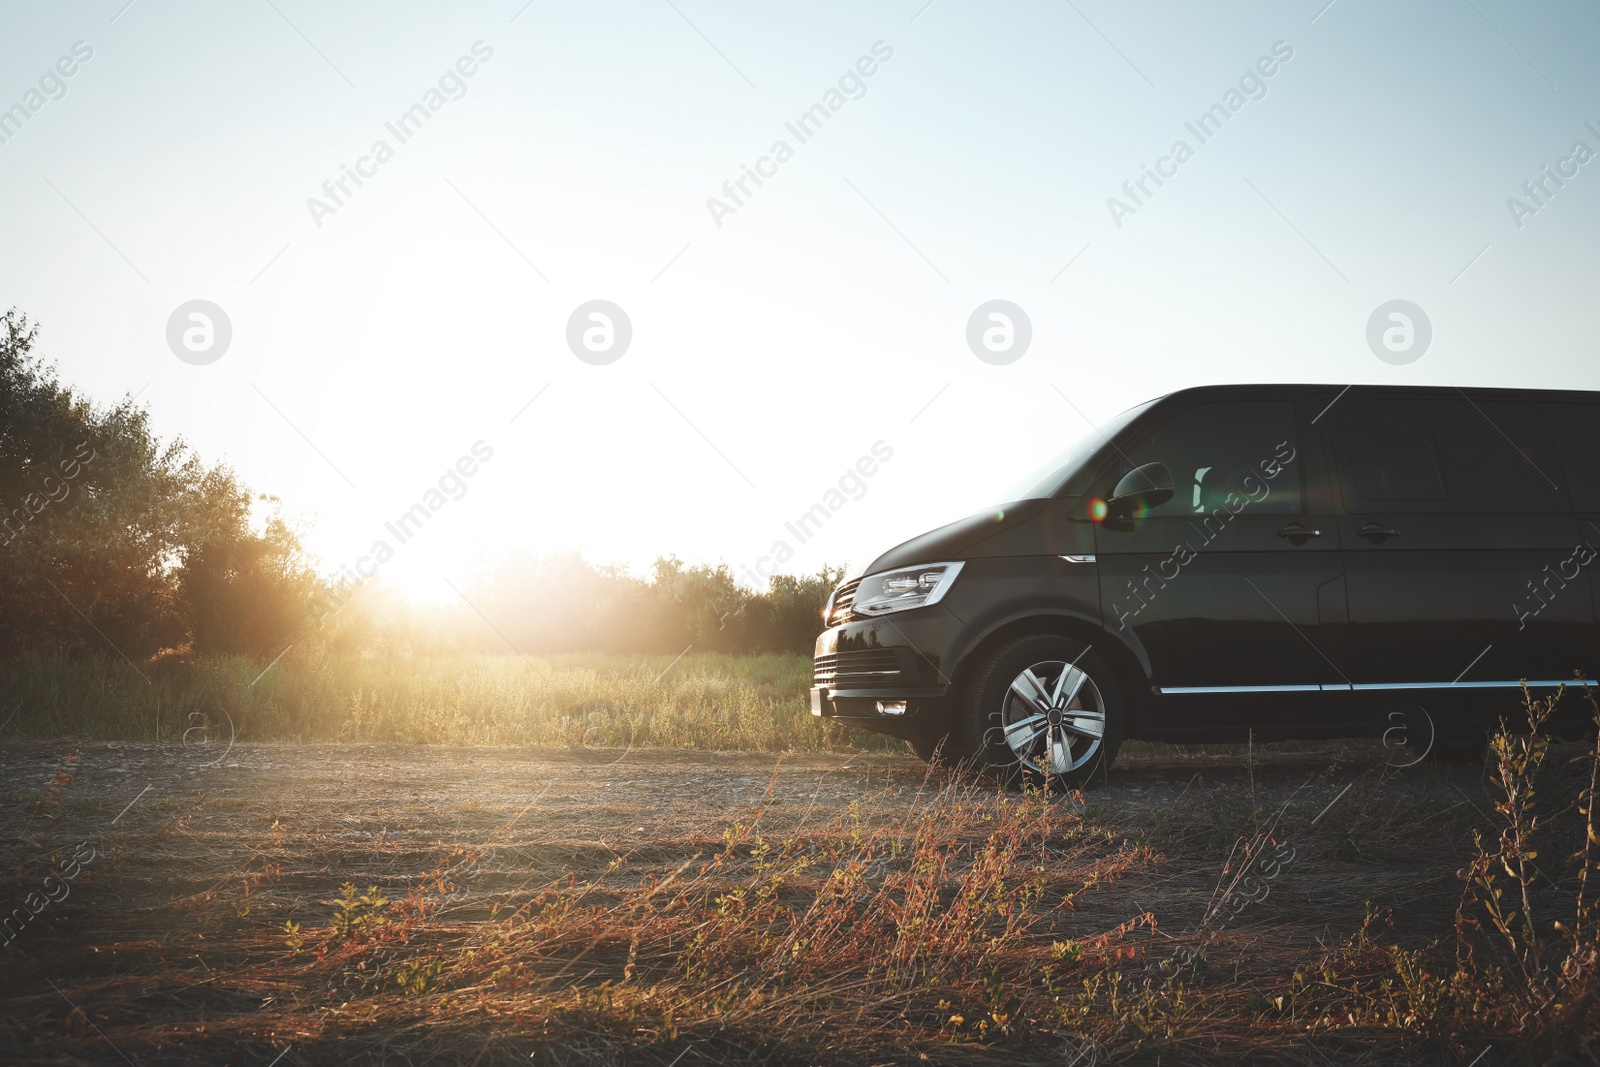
{"x": 842, "y": 601}
{"x": 862, "y": 668}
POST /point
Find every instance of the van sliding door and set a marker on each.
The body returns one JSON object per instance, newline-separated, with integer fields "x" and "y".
{"x": 1453, "y": 516}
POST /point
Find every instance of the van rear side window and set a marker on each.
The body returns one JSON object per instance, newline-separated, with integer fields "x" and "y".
{"x": 1389, "y": 452}
{"x": 1577, "y": 432}
{"x": 1455, "y": 456}
{"x": 1498, "y": 457}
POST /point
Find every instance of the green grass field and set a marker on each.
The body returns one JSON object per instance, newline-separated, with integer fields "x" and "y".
{"x": 699, "y": 701}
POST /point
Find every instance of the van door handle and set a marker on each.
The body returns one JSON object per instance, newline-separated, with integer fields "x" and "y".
{"x": 1298, "y": 534}
{"x": 1376, "y": 532}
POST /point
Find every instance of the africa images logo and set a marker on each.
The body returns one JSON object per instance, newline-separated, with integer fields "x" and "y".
{"x": 802, "y": 129}
{"x": 403, "y": 128}
{"x": 1211, "y": 527}
{"x": 1252, "y": 85}
{"x": 52, "y": 86}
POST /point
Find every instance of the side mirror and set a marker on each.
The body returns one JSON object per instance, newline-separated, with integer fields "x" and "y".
{"x": 1142, "y": 488}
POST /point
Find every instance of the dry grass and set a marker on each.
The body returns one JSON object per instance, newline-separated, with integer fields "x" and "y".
{"x": 699, "y": 700}
{"x": 1286, "y": 908}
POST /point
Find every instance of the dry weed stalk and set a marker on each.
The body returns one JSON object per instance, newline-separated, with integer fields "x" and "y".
{"x": 922, "y": 925}
{"x": 1554, "y": 974}
{"x": 1538, "y": 979}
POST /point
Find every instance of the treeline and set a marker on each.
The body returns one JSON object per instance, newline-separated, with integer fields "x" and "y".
{"x": 111, "y": 540}
{"x": 114, "y": 541}
{"x": 563, "y": 603}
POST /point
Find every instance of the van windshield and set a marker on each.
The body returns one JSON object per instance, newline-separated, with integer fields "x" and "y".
{"x": 1047, "y": 479}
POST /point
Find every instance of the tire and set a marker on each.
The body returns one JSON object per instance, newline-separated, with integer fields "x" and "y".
{"x": 1017, "y": 684}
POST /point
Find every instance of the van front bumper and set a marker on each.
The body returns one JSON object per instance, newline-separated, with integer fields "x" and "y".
{"x": 884, "y": 673}
{"x": 876, "y": 705}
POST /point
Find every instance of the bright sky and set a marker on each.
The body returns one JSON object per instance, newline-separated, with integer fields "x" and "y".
{"x": 829, "y": 310}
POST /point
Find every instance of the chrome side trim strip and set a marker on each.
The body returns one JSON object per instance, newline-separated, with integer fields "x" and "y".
{"x": 1078, "y": 559}
{"x": 1474, "y": 685}
{"x": 1191, "y": 690}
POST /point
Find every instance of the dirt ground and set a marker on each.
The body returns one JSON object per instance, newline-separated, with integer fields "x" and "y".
{"x": 173, "y": 826}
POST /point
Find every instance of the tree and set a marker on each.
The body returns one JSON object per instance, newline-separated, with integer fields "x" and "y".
{"x": 241, "y": 591}
{"x": 115, "y": 542}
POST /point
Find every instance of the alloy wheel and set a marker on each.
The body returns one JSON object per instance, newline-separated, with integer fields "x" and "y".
{"x": 1053, "y": 718}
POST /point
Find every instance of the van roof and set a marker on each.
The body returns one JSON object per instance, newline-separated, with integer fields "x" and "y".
{"x": 1366, "y": 389}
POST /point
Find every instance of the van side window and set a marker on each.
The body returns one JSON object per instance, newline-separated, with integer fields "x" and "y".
{"x": 1387, "y": 455}
{"x": 1498, "y": 456}
{"x": 1577, "y": 432}
{"x": 1232, "y": 453}
{"x": 1449, "y": 456}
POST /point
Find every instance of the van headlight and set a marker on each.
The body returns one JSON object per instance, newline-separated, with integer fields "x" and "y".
{"x": 904, "y": 588}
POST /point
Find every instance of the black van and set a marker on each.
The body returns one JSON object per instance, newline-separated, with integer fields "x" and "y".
{"x": 1286, "y": 561}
